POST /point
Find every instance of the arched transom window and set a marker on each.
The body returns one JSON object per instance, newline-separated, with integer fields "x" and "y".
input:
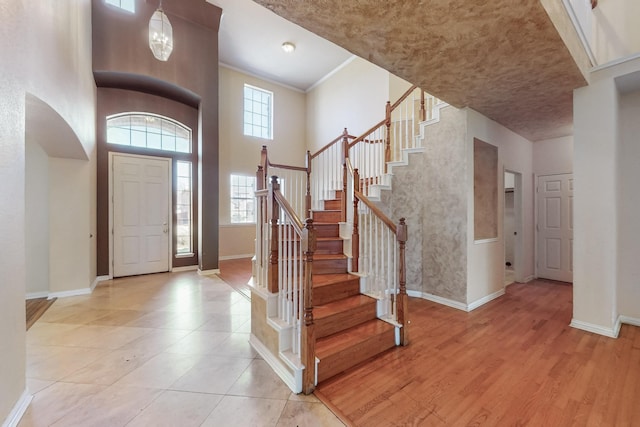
{"x": 145, "y": 130}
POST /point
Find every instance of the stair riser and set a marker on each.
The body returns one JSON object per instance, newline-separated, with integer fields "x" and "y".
{"x": 330, "y": 293}
{"x": 345, "y": 320}
{"x": 327, "y": 230}
{"x": 374, "y": 345}
{"x": 333, "y": 204}
{"x": 330, "y": 266}
{"x": 329, "y": 247}
{"x": 327, "y": 216}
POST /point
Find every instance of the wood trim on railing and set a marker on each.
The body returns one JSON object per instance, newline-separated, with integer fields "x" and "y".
{"x": 288, "y": 210}
{"x": 387, "y": 145}
{"x": 367, "y": 133}
{"x": 345, "y": 158}
{"x": 275, "y": 215}
{"x": 329, "y": 145}
{"x": 403, "y": 97}
{"x": 355, "y": 234}
{"x": 308, "y": 338}
{"x": 307, "y": 197}
{"x": 402, "y": 307}
{"x": 376, "y": 211}
{"x": 287, "y": 167}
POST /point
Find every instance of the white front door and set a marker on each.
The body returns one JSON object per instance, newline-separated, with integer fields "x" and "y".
{"x": 140, "y": 215}
{"x": 555, "y": 227}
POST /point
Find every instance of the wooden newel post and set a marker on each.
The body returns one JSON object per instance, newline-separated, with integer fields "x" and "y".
{"x": 355, "y": 235}
{"x": 307, "y": 197}
{"x": 403, "y": 300}
{"x": 264, "y": 162}
{"x": 308, "y": 338}
{"x": 345, "y": 156}
{"x": 260, "y": 178}
{"x": 423, "y": 111}
{"x": 275, "y": 215}
{"x": 387, "y": 144}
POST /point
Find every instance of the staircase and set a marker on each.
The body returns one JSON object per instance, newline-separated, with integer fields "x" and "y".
{"x": 331, "y": 291}
{"x": 347, "y": 329}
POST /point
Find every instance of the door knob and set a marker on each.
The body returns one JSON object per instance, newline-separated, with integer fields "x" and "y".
{"x": 165, "y": 229}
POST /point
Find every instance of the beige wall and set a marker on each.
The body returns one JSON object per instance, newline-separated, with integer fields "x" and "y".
{"x": 12, "y": 206}
{"x": 628, "y": 292}
{"x": 354, "y": 97}
{"x": 595, "y": 200}
{"x": 553, "y": 156}
{"x": 615, "y": 32}
{"x": 485, "y": 272}
{"x": 37, "y": 216}
{"x": 240, "y": 154}
{"x": 70, "y": 224}
{"x": 49, "y": 43}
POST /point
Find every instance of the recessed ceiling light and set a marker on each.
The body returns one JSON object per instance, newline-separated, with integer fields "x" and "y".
{"x": 288, "y": 47}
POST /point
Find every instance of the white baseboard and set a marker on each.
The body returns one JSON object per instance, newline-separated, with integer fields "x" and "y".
{"x": 185, "y": 268}
{"x": 484, "y": 300}
{"x": 529, "y": 279}
{"x": 276, "y": 364}
{"x": 71, "y": 293}
{"x": 596, "y": 329}
{"x": 98, "y": 280}
{"x": 633, "y": 321}
{"x": 208, "y": 272}
{"x": 228, "y": 257}
{"x": 18, "y": 410}
{"x": 456, "y": 304}
{"x": 437, "y": 299}
{"x": 35, "y": 295}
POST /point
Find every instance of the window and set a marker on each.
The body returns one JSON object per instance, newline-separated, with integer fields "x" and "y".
{"x": 258, "y": 112}
{"x": 146, "y": 130}
{"x": 183, "y": 209}
{"x": 242, "y": 199}
{"x": 128, "y": 5}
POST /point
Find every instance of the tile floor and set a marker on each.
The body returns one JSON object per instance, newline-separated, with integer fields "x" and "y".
{"x": 157, "y": 350}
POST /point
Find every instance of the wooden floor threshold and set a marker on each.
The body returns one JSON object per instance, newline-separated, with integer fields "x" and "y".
{"x": 35, "y": 308}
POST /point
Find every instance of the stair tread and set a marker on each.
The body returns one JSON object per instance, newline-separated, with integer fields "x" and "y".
{"x": 321, "y": 257}
{"x": 329, "y": 238}
{"x": 327, "y": 210}
{"x": 342, "y": 305}
{"x": 341, "y": 341}
{"x": 331, "y": 279}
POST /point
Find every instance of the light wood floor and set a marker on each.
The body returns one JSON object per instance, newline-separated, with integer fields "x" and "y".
{"x": 514, "y": 361}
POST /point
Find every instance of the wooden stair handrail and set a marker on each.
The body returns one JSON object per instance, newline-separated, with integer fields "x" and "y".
{"x": 288, "y": 210}
{"x": 376, "y": 211}
{"x": 339, "y": 138}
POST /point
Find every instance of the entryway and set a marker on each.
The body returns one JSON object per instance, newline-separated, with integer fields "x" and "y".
{"x": 512, "y": 225}
{"x": 140, "y": 212}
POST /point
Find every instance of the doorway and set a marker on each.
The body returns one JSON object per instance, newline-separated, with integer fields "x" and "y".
{"x": 555, "y": 227}
{"x": 140, "y": 212}
{"x": 512, "y": 224}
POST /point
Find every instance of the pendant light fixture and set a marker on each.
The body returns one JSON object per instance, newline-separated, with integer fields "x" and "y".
{"x": 160, "y": 35}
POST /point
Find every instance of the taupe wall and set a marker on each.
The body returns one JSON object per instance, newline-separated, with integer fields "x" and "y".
{"x": 113, "y": 101}
{"x": 122, "y": 59}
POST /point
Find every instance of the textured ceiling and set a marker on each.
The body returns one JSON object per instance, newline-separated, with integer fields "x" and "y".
{"x": 503, "y": 58}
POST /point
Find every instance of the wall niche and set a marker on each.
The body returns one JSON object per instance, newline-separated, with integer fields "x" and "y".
{"x": 485, "y": 190}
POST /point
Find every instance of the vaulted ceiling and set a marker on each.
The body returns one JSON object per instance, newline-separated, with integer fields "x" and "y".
{"x": 503, "y": 58}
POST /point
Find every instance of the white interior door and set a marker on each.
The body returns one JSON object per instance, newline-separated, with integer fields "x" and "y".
{"x": 555, "y": 227}
{"x": 140, "y": 215}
